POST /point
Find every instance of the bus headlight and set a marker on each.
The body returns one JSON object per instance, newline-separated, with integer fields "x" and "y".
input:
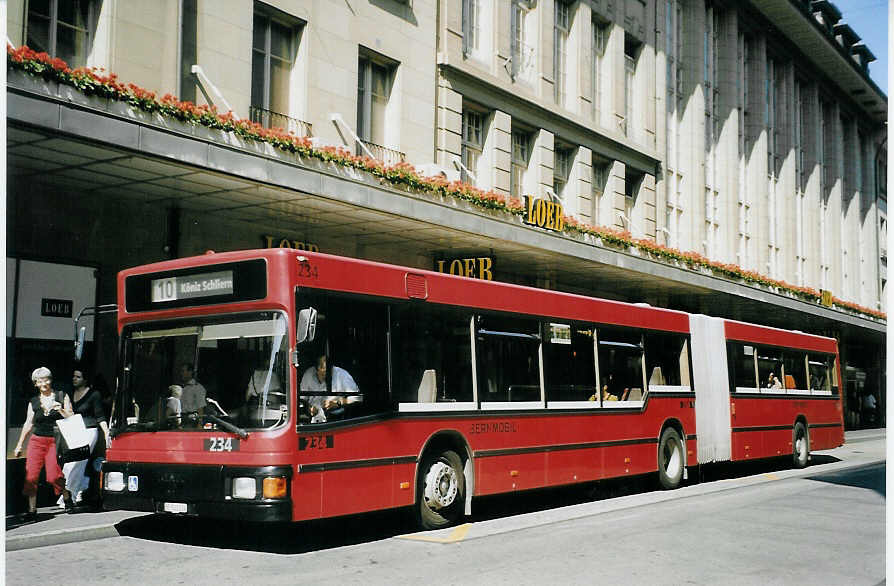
{"x": 114, "y": 481}
{"x": 275, "y": 487}
{"x": 245, "y": 488}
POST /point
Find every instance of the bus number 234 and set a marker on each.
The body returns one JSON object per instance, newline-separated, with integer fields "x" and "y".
{"x": 221, "y": 444}
{"x": 315, "y": 442}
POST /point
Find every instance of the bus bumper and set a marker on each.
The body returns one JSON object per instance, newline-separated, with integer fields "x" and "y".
{"x": 202, "y": 491}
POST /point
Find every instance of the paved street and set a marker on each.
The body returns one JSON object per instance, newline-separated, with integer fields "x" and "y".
{"x": 751, "y": 524}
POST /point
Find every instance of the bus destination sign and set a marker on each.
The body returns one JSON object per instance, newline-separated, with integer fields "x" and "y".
{"x": 192, "y": 286}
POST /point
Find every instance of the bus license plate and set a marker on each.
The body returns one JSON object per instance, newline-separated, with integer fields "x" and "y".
{"x": 175, "y": 507}
{"x": 221, "y": 444}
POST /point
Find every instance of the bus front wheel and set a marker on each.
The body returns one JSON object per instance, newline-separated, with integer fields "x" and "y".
{"x": 442, "y": 490}
{"x": 800, "y": 445}
{"x": 670, "y": 459}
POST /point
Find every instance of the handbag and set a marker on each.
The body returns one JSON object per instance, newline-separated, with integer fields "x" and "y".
{"x": 72, "y": 440}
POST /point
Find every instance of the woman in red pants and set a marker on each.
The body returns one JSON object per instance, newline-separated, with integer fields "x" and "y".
{"x": 43, "y": 411}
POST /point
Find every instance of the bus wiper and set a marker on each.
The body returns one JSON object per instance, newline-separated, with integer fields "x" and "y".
{"x": 226, "y": 425}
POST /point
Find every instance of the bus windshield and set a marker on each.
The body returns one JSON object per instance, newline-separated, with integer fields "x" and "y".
{"x": 211, "y": 373}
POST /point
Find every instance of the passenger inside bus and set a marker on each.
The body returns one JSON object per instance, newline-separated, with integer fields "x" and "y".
{"x": 172, "y": 404}
{"x": 609, "y": 393}
{"x": 773, "y": 382}
{"x": 264, "y": 396}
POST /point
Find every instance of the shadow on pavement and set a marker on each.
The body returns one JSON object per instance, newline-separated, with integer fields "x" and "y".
{"x": 871, "y": 476}
{"x": 338, "y": 532}
{"x": 729, "y": 470}
{"x": 270, "y": 538}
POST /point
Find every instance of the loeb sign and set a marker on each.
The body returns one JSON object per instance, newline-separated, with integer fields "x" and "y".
{"x": 544, "y": 214}
{"x": 476, "y": 267}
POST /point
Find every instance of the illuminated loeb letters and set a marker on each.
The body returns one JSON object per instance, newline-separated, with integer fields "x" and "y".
{"x": 544, "y": 214}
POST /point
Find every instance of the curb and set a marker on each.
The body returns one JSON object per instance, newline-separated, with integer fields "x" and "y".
{"x": 60, "y": 536}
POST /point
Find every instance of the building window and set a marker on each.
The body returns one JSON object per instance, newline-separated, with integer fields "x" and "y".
{"x": 825, "y": 156}
{"x": 631, "y": 55}
{"x": 471, "y": 25}
{"x": 521, "y": 152}
{"x": 601, "y": 170}
{"x": 598, "y": 51}
{"x": 272, "y": 57}
{"x": 564, "y": 158}
{"x": 744, "y": 48}
{"x": 800, "y": 135}
{"x": 561, "y": 29}
{"x": 473, "y": 142}
{"x": 61, "y": 28}
{"x": 772, "y": 100}
{"x": 712, "y": 126}
{"x": 632, "y": 181}
{"x": 373, "y": 91}
{"x": 522, "y": 54}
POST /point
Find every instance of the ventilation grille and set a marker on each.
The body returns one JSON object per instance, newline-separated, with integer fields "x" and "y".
{"x": 417, "y": 286}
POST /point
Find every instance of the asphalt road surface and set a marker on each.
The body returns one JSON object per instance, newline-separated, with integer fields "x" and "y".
{"x": 748, "y": 524}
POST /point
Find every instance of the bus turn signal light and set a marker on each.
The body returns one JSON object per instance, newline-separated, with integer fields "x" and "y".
{"x": 274, "y": 487}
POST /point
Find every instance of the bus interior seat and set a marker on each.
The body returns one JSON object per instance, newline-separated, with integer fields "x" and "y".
{"x": 790, "y": 382}
{"x": 657, "y": 377}
{"x": 633, "y": 395}
{"x": 428, "y": 387}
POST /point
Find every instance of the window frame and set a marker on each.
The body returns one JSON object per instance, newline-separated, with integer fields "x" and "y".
{"x": 472, "y": 147}
{"x": 562, "y": 19}
{"x": 367, "y": 62}
{"x": 53, "y": 24}
{"x": 292, "y": 26}
{"x": 519, "y": 159}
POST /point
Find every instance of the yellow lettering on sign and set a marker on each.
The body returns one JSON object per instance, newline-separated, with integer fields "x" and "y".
{"x": 544, "y": 214}
{"x": 271, "y": 241}
{"x": 484, "y": 265}
{"x": 475, "y": 267}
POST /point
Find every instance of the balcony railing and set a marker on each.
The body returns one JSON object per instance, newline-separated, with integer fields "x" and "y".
{"x": 270, "y": 119}
{"x": 384, "y": 154}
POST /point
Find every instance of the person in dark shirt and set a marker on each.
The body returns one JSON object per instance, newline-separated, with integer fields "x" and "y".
{"x": 88, "y": 403}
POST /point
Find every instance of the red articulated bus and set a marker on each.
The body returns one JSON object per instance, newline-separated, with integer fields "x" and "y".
{"x": 279, "y": 385}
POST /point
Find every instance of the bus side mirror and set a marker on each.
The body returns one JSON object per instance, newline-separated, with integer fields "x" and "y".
{"x": 79, "y": 343}
{"x": 307, "y": 325}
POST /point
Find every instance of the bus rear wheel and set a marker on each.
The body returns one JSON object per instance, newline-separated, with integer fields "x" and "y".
{"x": 442, "y": 490}
{"x": 800, "y": 445}
{"x": 670, "y": 459}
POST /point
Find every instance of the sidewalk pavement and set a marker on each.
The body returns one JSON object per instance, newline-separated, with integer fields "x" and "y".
{"x": 54, "y": 526}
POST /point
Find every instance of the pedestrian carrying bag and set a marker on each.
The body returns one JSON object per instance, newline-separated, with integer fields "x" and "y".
{"x": 72, "y": 440}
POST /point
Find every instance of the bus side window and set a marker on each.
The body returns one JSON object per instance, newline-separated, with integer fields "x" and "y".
{"x": 508, "y": 359}
{"x": 431, "y": 354}
{"x": 569, "y": 368}
{"x": 352, "y": 334}
{"x": 667, "y": 360}
{"x": 742, "y": 367}
{"x": 819, "y": 372}
{"x": 769, "y": 369}
{"x": 621, "y": 364}
{"x": 794, "y": 365}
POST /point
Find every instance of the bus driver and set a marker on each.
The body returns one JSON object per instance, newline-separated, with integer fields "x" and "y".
{"x": 313, "y": 385}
